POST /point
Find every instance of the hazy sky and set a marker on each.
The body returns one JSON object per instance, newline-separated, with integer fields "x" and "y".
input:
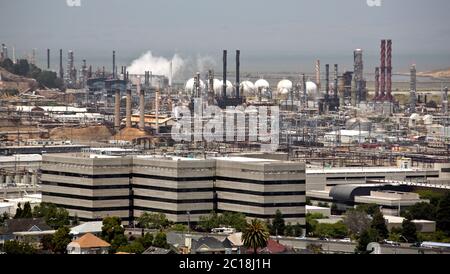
{"x": 268, "y": 33}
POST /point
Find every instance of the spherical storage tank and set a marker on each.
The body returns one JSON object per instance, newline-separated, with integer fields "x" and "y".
{"x": 219, "y": 85}
{"x": 189, "y": 87}
{"x": 248, "y": 88}
{"x": 311, "y": 88}
{"x": 284, "y": 87}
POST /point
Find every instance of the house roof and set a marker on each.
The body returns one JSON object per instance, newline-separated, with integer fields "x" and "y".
{"x": 273, "y": 247}
{"x": 25, "y": 225}
{"x": 89, "y": 240}
{"x": 157, "y": 250}
{"x": 210, "y": 243}
{"x": 88, "y": 227}
{"x": 236, "y": 239}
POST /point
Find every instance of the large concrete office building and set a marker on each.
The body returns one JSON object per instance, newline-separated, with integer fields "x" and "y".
{"x": 95, "y": 186}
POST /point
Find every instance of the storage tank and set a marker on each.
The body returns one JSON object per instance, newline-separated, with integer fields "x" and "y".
{"x": 248, "y": 88}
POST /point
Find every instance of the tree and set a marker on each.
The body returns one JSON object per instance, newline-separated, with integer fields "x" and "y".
{"x": 379, "y": 224}
{"x": 421, "y": 211}
{"x": 231, "y": 219}
{"x": 113, "y": 233}
{"x": 47, "y": 242}
{"x": 255, "y": 235}
{"x": 367, "y": 236}
{"x": 370, "y": 209}
{"x": 76, "y": 220}
{"x": 61, "y": 239}
{"x": 409, "y": 231}
{"x": 27, "y": 213}
{"x": 18, "y": 248}
{"x": 179, "y": 227}
{"x": 160, "y": 240}
{"x": 134, "y": 247}
{"x": 3, "y": 218}
{"x": 278, "y": 224}
{"x": 18, "y": 211}
{"x": 337, "y": 230}
{"x": 22, "y": 67}
{"x": 357, "y": 221}
{"x": 443, "y": 214}
{"x": 146, "y": 240}
{"x": 53, "y": 216}
{"x": 153, "y": 221}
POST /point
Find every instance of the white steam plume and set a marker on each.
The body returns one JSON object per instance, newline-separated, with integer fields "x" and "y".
{"x": 156, "y": 64}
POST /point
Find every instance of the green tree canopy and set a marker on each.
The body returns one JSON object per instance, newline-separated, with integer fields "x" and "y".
{"x": 54, "y": 216}
{"x": 278, "y": 225}
{"x": 255, "y": 235}
{"x": 443, "y": 214}
{"x": 18, "y": 248}
{"x": 229, "y": 219}
{"x": 367, "y": 236}
{"x": 160, "y": 240}
{"x": 153, "y": 221}
{"x": 409, "y": 231}
{"x": 379, "y": 224}
{"x": 421, "y": 211}
{"x": 61, "y": 239}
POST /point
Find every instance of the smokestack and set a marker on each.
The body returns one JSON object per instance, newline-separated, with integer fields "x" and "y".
{"x": 48, "y": 59}
{"x": 114, "y": 65}
{"x": 383, "y": 70}
{"x": 445, "y": 101}
{"x": 238, "y": 65}
{"x": 341, "y": 88}
{"x": 305, "y": 95}
{"x": 318, "y": 75}
{"x": 157, "y": 110}
{"x": 61, "y": 71}
{"x": 413, "y": 88}
{"x": 210, "y": 83}
{"x": 117, "y": 110}
{"x": 389, "y": 71}
{"x": 128, "y": 108}
{"x": 141, "y": 93}
{"x": 224, "y": 86}
{"x": 377, "y": 83}
{"x": 335, "y": 90}
{"x": 327, "y": 82}
{"x": 90, "y": 71}
{"x": 197, "y": 85}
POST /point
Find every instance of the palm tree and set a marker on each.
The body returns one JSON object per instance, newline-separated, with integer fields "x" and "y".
{"x": 255, "y": 235}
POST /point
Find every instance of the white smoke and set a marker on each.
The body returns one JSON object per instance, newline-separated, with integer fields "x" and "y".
{"x": 156, "y": 64}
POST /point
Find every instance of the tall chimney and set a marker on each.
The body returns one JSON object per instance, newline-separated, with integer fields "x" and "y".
{"x": 445, "y": 101}
{"x": 61, "y": 71}
{"x": 128, "y": 108}
{"x": 224, "y": 86}
{"x": 377, "y": 83}
{"x": 117, "y": 110}
{"x": 413, "y": 88}
{"x": 389, "y": 71}
{"x": 48, "y": 59}
{"x": 383, "y": 70}
{"x": 318, "y": 75}
{"x": 238, "y": 65}
{"x": 141, "y": 93}
{"x": 335, "y": 90}
{"x": 157, "y": 110}
{"x": 327, "y": 82}
{"x": 305, "y": 94}
{"x": 210, "y": 84}
{"x": 114, "y": 65}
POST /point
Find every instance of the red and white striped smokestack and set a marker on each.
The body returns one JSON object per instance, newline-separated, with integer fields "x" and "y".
{"x": 117, "y": 110}
{"x": 383, "y": 70}
{"x": 318, "y": 75}
{"x": 389, "y": 70}
{"x": 377, "y": 83}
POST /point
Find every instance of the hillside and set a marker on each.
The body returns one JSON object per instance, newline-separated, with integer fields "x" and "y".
{"x": 444, "y": 73}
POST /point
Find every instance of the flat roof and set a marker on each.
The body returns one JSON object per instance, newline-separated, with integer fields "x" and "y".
{"x": 21, "y": 158}
{"x": 338, "y": 170}
{"x": 244, "y": 159}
